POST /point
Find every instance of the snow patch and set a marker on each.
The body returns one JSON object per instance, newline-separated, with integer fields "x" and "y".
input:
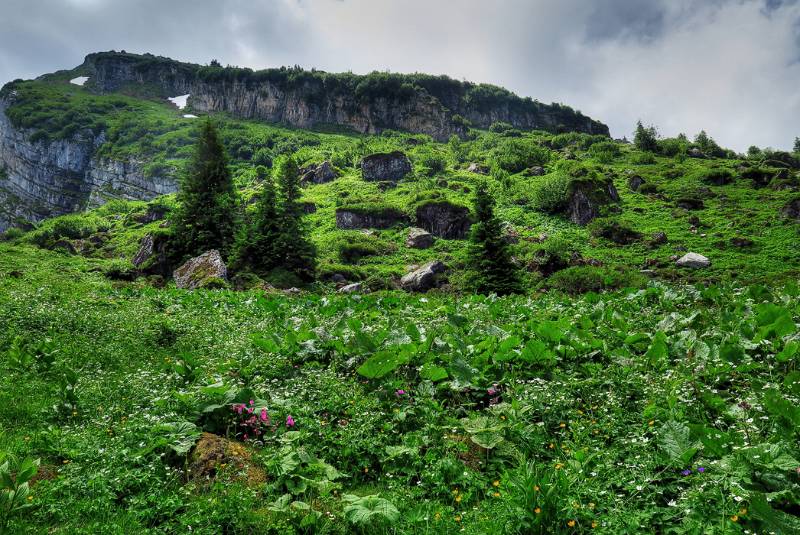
{"x": 179, "y": 101}
{"x": 80, "y": 80}
{"x": 190, "y": 116}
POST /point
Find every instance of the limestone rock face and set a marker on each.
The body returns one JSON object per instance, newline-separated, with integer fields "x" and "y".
{"x": 356, "y": 287}
{"x": 391, "y": 166}
{"x": 354, "y": 219}
{"x": 201, "y": 271}
{"x": 419, "y": 238}
{"x": 792, "y": 209}
{"x": 635, "y": 182}
{"x": 423, "y": 278}
{"x": 44, "y": 180}
{"x": 444, "y": 220}
{"x": 586, "y": 198}
{"x": 693, "y": 260}
{"x": 151, "y": 258}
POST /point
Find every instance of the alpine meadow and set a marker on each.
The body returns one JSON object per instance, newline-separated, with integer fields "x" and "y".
{"x": 293, "y": 301}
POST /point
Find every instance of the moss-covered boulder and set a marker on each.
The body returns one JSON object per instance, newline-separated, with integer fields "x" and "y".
{"x": 390, "y": 166}
{"x": 204, "y": 271}
{"x": 444, "y": 219}
{"x": 368, "y": 216}
{"x": 214, "y": 457}
{"x": 587, "y": 196}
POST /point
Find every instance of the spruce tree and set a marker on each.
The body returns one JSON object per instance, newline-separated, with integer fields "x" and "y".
{"x": 797, "y": 145}
{"x": 645, "y": 139}
{"x": 299, "y": 255}
{"x": 489, "y": 256}
{"x": 206, "y": 215}
{"x": 258, "y": 240}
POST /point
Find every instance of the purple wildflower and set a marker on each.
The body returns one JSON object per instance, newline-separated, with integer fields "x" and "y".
{"x": 686, "y": 472}
{"x": 289, "y": 421}
{"x": 400, "y": 392}
{"x": 701, "y": 469}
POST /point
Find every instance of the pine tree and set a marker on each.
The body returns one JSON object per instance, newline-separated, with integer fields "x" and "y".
{"x": 257, "y": 242}
{"x": 299, "y": 255}
{"x": 797, "y": 145}
{"x": 490, "y": 258}
{"x": 206, "y": 215}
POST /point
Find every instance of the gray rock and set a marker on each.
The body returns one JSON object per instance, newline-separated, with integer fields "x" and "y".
{"x": 419, "y": 238}
{"x": 208, "y": 268}
{"x": 792, "y": 209}
{"x": 318, "y": 174}
{"x": 145, "y": 251}
{"x": 356, "y": 287}
{"x": 635, "y": 182}
{"x": 478, "y": 168}
{"x": 694, "y": 152}
{"x": 693, "y": 260}
{"x": 587, "y": 197}
{"x": 658, "y": 238}
{"x": 338, "y": 278}
{"x": 444, "y": 220}
{"x": 391, "y": 166}
{"x": 536, "y": 170}
{"x": 424, "y": 278}
{"x": 353, "y": 219}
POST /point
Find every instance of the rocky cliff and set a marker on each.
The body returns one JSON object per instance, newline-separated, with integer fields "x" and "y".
{"x": 40, "y": 179}
{"x": 435, "y": 105}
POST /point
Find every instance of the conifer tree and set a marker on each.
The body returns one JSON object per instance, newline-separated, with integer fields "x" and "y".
{"x": 206, "y": 215}
{"x": 489, "y": 256}
{"x": 257, "y": 242}
{"x": 645, "y": 139}
{"x": 299, "y": 255}
{"x": 797, "y": 145}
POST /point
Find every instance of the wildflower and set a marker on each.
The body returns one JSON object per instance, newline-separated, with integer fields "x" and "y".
{"x": 536, "y": 488}
{"x": 30, "y": 498}
{"x": 496, "y": 483}
{"x": 264, "y": 417}
{"x": 458, "y": 518}
{"x": 492, "y": 391}
{"x": 537, "y": 510}
{"x": 458, "y": 498}
{"x": 289, "y": 421}
{"x": 571, "y": 523}
{"x": 496, "y": 494}
{"x": 400, "y": 392}
{"x": 366, "y": 469}
{"x": 651, "y": 422}
{"x": 562, "y": 425}
{"x": 735, "y": 518}
{"x": 594, "y": 524}
{"x": 438, "y": 516}
{"x": 701, "y": 469}
{"x": 551, "y": 446}
{"x": 252, "y": 402}
{"x": 742, "y": 512}
{"x": 686, "y": 472}
{"x": 559, "y": 466}
{"x": 591, "y": 505}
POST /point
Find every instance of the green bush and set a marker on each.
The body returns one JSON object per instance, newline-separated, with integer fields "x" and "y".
{"x": 355, "y": 246}
{"x": 550, "y": 193}
{"x": 515, "y": 155}
{"x": 68, "y": 227}
{"x": 499, "y": 127}
{"x": 613, "y": 230}
{"x": 605, "y": 152}
{"x": 643, "y": 158}
{"x": 671, "y": 147}
{"x": 582, "y": 279}
{"x": 12, "y": 234}
{"x": 433, "y": 164}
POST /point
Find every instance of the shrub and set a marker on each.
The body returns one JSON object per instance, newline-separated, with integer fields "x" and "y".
{"x": 550, "y": 193}
{"x": 582, "y": 279}
{"x": 515, "y": 155}
{"x": 648, "y": 188}
{"x": 643, "y": 158}
{"x": 605, "y": 152}
{"x": 671, "y": 147}
{"x": 354, "y": 247}
{"x": 645, "y": 139}
{"x": 69, "y": 227}
{"x": 12, "y": 234}
{"x": 717, "y": 177}
{"x": 499, "y": 127}
{"x": 554, "y": 254}
{"x": 433, "y": 164}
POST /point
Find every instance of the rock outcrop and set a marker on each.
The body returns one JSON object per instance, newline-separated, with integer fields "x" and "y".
{"x": 423, "y": 278}
{"x": 444, "y": 220}
{"x": 437, "y": 106}
{"x": 391, "y": 167}
{"x": 204, "y": 271}
{"x": 318, "y": 174}
{"x": 358, "y": 218}
{"x": 586, "y": 197}
{"x": 792, "y": 209}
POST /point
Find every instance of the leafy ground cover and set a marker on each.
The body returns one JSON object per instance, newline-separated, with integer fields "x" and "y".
{"x": 668, "y": 406}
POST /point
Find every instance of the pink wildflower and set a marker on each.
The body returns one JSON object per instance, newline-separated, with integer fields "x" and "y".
{"x": 263, "y": 415}
{"x": 289, "y": 421}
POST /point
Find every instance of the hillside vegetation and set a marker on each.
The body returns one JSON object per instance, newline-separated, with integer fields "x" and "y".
{"x": 616, "y": 392}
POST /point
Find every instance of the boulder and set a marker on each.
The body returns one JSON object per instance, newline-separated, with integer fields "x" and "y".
{"x": 587, "y": 196}
{"x": 536, "y": 170}
{"x": 478, "y": 168}
{"x": 356, "y": 287}
{"x": 693, "y": 260}
{"x": 318, "y": 174}
{"x": 741, "y": 242}
{"x": 419, "y": 238}
{"x": 205, "y": 270}
{"x": 155, "y": 212}
{"x": 444, "y": 220}
{"x": 309, "y": 207}
{"x": 424, "y": 278}
{"x": 635, "y": 182}
{"x": 690, "y": 203}
{"x": 392, "y": 166}
{"x": 361, "y": 218}
{"x": 213, "y": 454}
{"x": 694, "y": 152}
{"x": 792, "y": 209}
{"x": 658, "y": 238}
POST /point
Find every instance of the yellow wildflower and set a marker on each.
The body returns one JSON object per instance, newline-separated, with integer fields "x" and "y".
{"x": 495, "y": 483}
{"x": 571, "y": 523}
{"x": 537, "y": 510}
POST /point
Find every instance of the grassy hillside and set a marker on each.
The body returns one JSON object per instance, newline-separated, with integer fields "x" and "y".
{"x": 738, "y": 225}
{"x": 669, "y": 403}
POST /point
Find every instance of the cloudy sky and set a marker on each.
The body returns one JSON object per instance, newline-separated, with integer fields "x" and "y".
{"x": 731, "y": 67}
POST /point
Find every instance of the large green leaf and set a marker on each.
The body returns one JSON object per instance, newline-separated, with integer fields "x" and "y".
{"x": 674, "y": 439}
{"x": 381, "y": 364}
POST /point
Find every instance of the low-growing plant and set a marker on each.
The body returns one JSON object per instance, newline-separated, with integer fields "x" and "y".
{"x": 15, "y": 494}
{"x": 582, "y": 279}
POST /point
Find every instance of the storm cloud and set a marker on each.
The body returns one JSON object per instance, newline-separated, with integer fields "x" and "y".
{"x": 731, "y": 67}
